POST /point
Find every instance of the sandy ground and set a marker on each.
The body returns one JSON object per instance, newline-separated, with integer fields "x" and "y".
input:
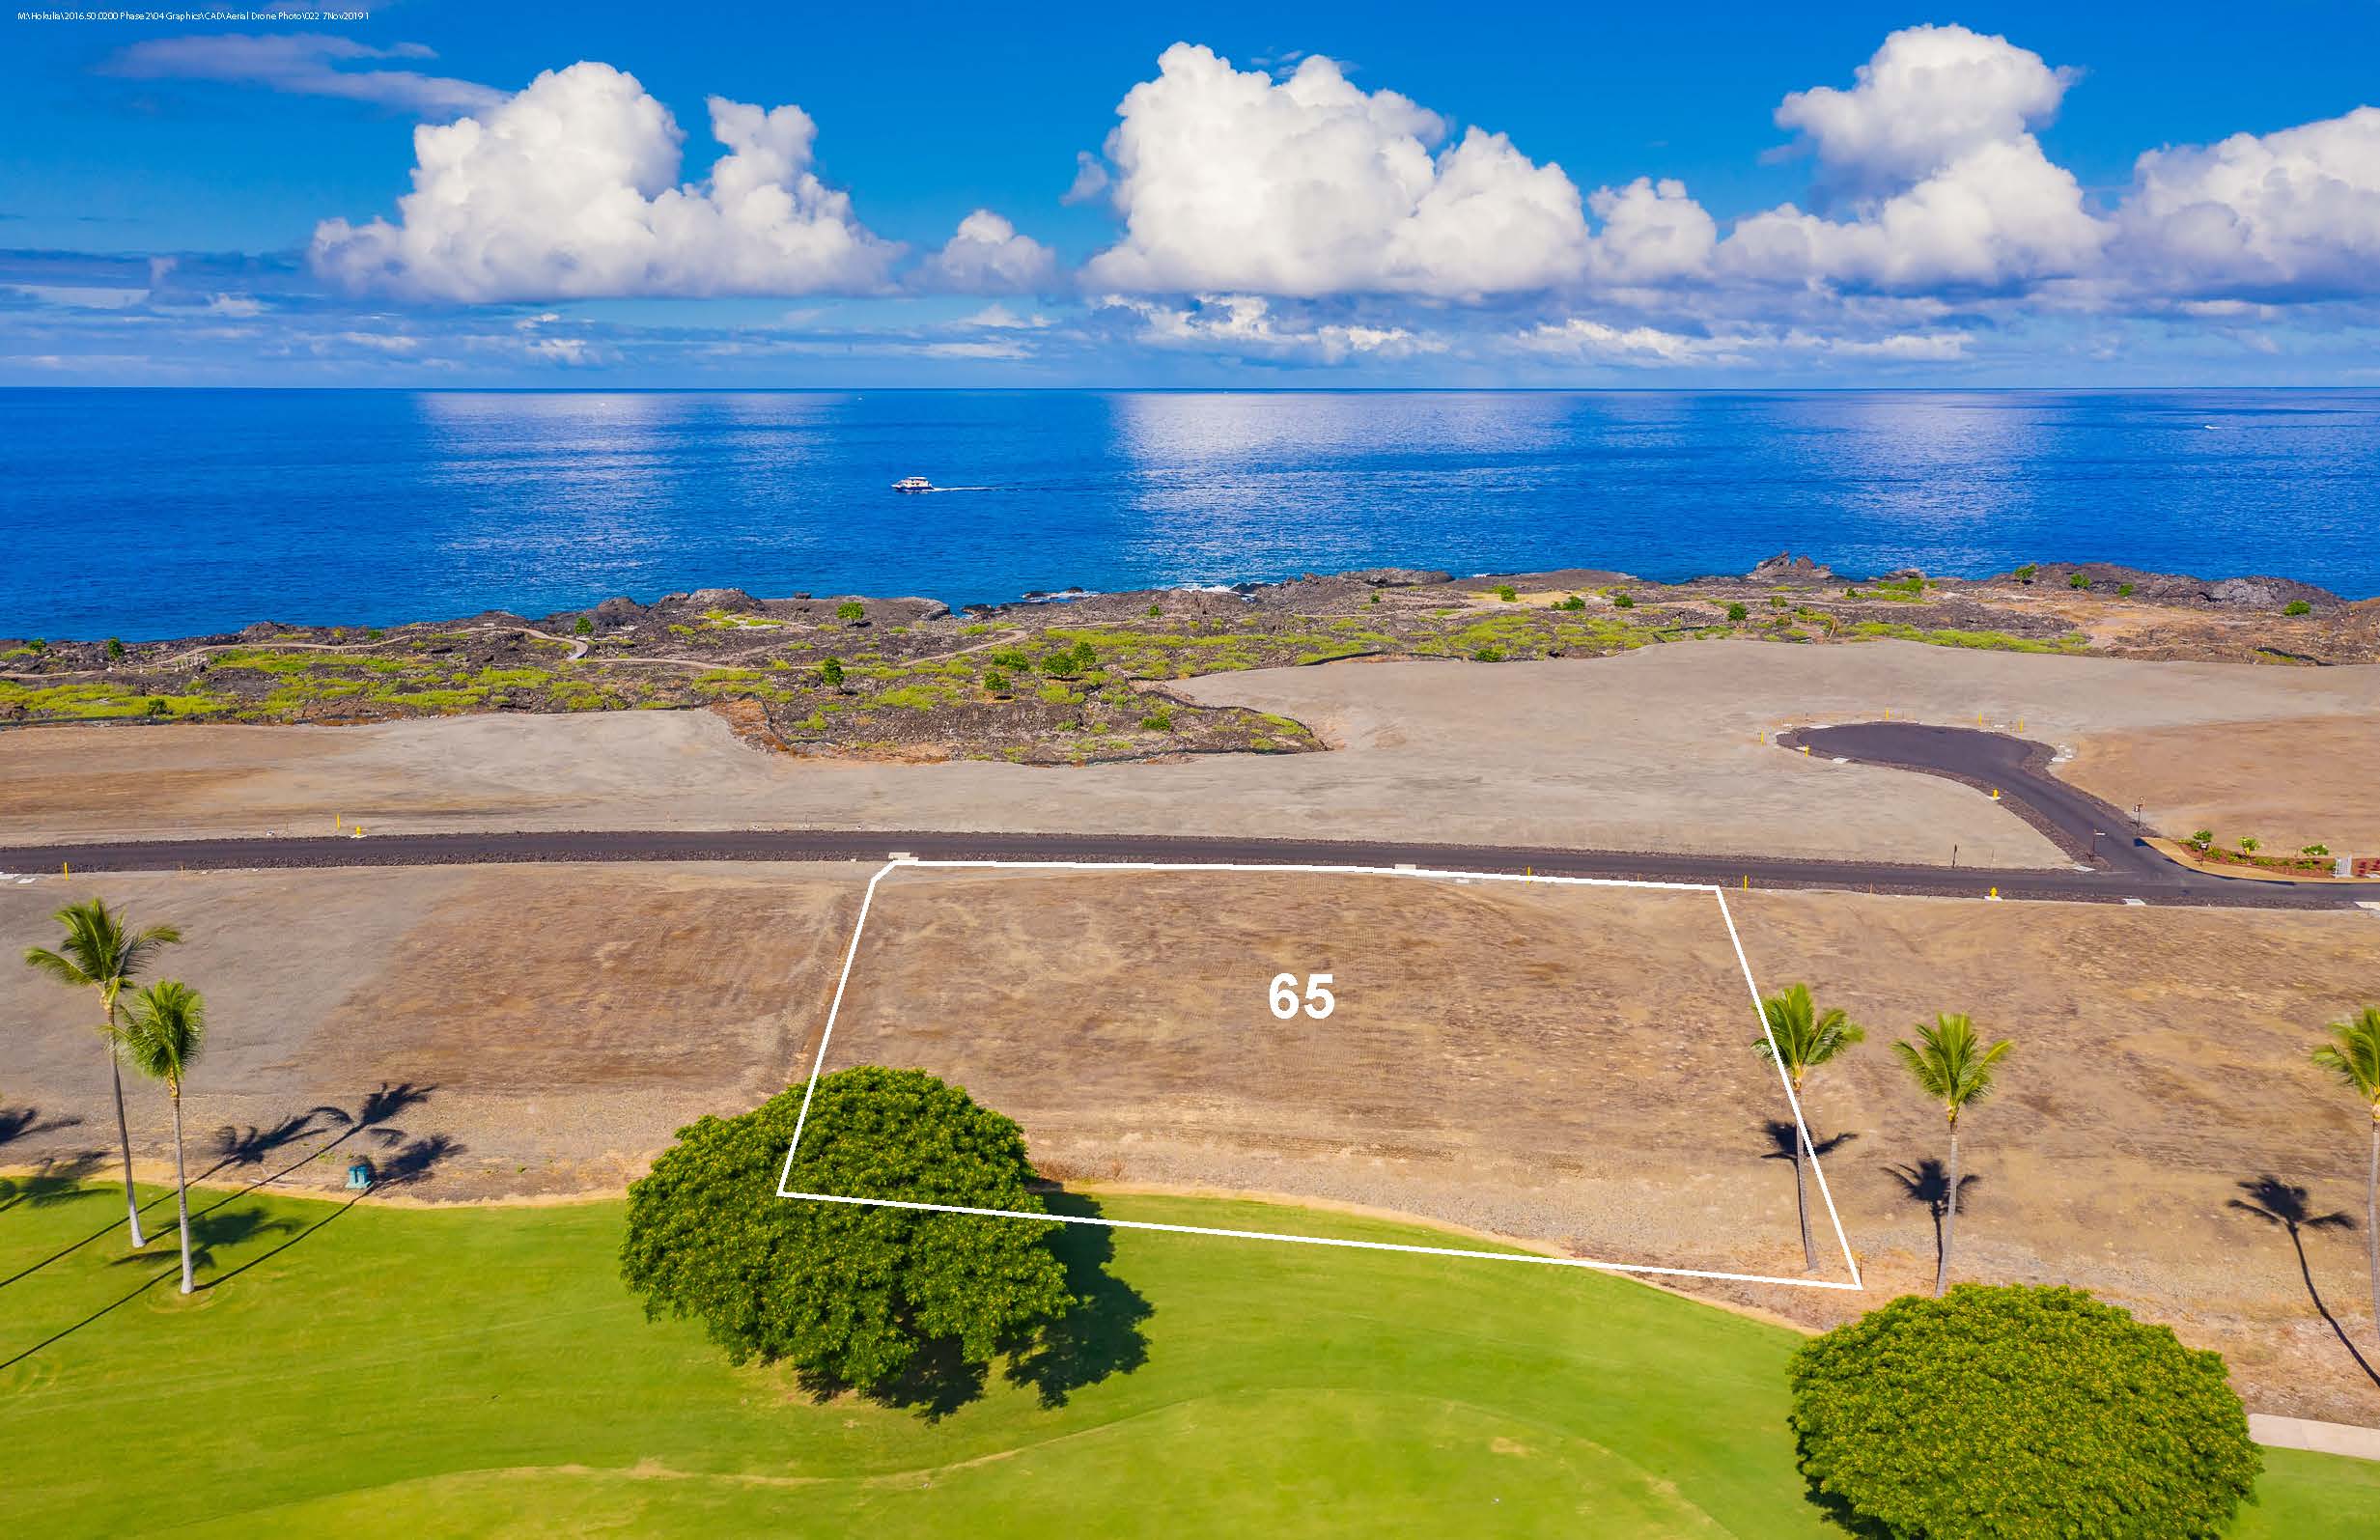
{"x": 1659, "y": 749}
{"x": 1569, "y": 1066}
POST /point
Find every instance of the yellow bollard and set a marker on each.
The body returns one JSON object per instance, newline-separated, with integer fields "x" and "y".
{"x": 1994, "y": 794}
{"x": 62, "y": 871}
{"x": 1748, "y": 882}
{"x": 1996, "y": 892}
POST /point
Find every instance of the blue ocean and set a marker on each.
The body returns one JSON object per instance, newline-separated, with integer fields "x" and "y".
{"x": 162, "y": 513}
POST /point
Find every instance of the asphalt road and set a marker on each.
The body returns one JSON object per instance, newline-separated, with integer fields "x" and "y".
{"x": 2111, "y": 865}
{"x": 2171, "y": 885}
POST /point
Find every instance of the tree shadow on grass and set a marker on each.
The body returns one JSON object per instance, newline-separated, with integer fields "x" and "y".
{"x": 1099, "y": 1336}
{"x": 207, "y": 1233}
{"x": 1927, "y": 1184}
{"x": 59, "y": 1180}
{"x": 2277, "y": 1203}
{"x": 237, "y": 1148}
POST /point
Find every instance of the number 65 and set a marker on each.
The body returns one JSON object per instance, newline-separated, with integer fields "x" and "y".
{"x": 1319, "y": 1000}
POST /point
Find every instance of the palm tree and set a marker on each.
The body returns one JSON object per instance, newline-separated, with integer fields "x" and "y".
{"x": 2353, "y": 1054}
{"x": 99, "y": 953}
{"x": 1953, "y": 1068}
{"x": 165, "y": 1029}
{"x": 1799, "y": 1038}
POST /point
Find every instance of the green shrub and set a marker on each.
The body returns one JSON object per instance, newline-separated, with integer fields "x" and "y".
{"x": 1488, "y": 654}
{"x": 849, "y": 1295}
{"x": 156, "y": 707}
{"x": 2297, "y": 606}
{"x": 1624, "y": 599}
{"x": 850, "y": 609}
{"x": 2315, "y": 850}
{"x": 830, "y": 673}
{"x": 1737, "y": 612}
{"x": 1159, "y": 720}
{"x": 1057, "y": 694}
{"x": 115, "y": 650}
{"x": 2078, "y": 580}
{"x": 2024, "y": 574}
{"x": 1154, "y": 613}
{"x": 2004, "y": 1413}
{"x": 1375, "y": 595}
{"x": 2250, "y": 843}
{"x": 1012, "y": 658}
{"x": 2202, "y": 838}
{"x": 1506, "y": 592}
{"x": 585, "y": 627}
{"x": 2123, "y": 590}
{"x": 996, "y": 682}
{"x": 1573, "y": 603}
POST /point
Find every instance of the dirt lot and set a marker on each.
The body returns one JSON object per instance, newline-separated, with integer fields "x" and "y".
{"x": 1570, "y": 1067}
{"x": 2295, "y": 781}
{"x": 1658, "y": 749}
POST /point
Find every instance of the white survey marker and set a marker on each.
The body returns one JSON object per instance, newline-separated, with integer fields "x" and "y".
{"x": 905, "y": 862}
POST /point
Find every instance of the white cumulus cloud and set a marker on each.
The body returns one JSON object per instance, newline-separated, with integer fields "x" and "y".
{"x": 1230, "y": 179}
{"x": 2291, "y": 212}
{"x": 1247, "y": 323}
{"x": 1949, "y": 186}
{"x": 986, "y": 255}
{"x": 569, "y": 189}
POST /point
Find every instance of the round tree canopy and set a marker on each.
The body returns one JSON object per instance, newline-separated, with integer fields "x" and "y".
{"x": 848, "y": 1292}
{"x": 2020, "y": 1412}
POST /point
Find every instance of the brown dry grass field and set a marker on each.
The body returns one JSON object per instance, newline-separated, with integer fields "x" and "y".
{"x": 1571, "y": 1067}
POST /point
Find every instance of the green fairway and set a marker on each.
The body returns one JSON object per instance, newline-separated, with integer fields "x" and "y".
{"x": 468, "y": 1371}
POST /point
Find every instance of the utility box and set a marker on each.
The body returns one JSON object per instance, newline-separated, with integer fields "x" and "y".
{"x": 2365, "y": 866}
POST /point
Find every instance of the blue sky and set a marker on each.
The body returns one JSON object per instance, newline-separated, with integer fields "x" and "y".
{"x": 1377, "y": 195}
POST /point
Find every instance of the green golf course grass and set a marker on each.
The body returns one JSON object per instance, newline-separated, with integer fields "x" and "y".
{"x": 370, "y": 1369}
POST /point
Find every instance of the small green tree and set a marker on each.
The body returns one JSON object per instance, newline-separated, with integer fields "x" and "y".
{"x": 2353, "y": 1054}
{"x": 1950, "y": 1065}
{"x": 2250, "y": 843}
{"x": 2202, "y": 839}
{"x": 1799, "y": 1038}
{"x": 830, "y": 673}
{"x": 842, "y": 1291}
{"x": 2078, "y": 580}
{"x": 115, "y": 650}
{"x": 850, "y": 609}
{"x": 1624, "y": 599}
{"x": 2297, "y": 606}
{"x": 585, "y": 627}
{"x": 165, "y": 1029}
{"x": 995, "y": 681}
{"x": 2016, "y": 1413}
{"x": 1506, "y": 592}
{"x": 1738, "y": 612}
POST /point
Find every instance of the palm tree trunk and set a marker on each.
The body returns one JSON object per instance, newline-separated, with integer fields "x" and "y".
{"x": 1801, "y": 1199}
{"x": 2371, "y": 1217}
{"x": 1949, "y": 1220}
{"x": 124, "y": 1145}
{"x": 181, "y": 1189}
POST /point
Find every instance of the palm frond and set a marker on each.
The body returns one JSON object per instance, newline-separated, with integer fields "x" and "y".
{"x": 2353, "y": 1053}
{"x": 65, "y": 970}
{"x": 165, "y": 1029}
{"x": 1949, "y": 1063}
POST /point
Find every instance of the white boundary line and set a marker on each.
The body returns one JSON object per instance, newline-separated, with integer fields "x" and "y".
{"x": 1801, "y": 1128}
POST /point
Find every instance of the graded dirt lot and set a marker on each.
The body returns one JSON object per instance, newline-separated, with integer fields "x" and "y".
{"x": 1570, "y": 1067}
{"x": 557, "y": 1024}
{"x": 1663, "y": 749}
{"x": 2290, "y": 782}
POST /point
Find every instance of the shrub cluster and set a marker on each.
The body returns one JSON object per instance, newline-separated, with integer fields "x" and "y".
{"x": 2006, "y": 1414}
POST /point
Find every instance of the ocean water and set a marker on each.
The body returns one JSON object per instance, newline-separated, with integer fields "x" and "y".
{"x": 145, "y": 513}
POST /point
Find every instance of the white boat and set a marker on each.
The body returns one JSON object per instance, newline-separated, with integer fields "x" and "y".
{"x": 912, "y": 484}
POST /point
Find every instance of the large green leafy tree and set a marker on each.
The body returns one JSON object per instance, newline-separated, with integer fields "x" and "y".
{"x": 2010, "y": 1413}
{"x": 847, "y": 1292}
